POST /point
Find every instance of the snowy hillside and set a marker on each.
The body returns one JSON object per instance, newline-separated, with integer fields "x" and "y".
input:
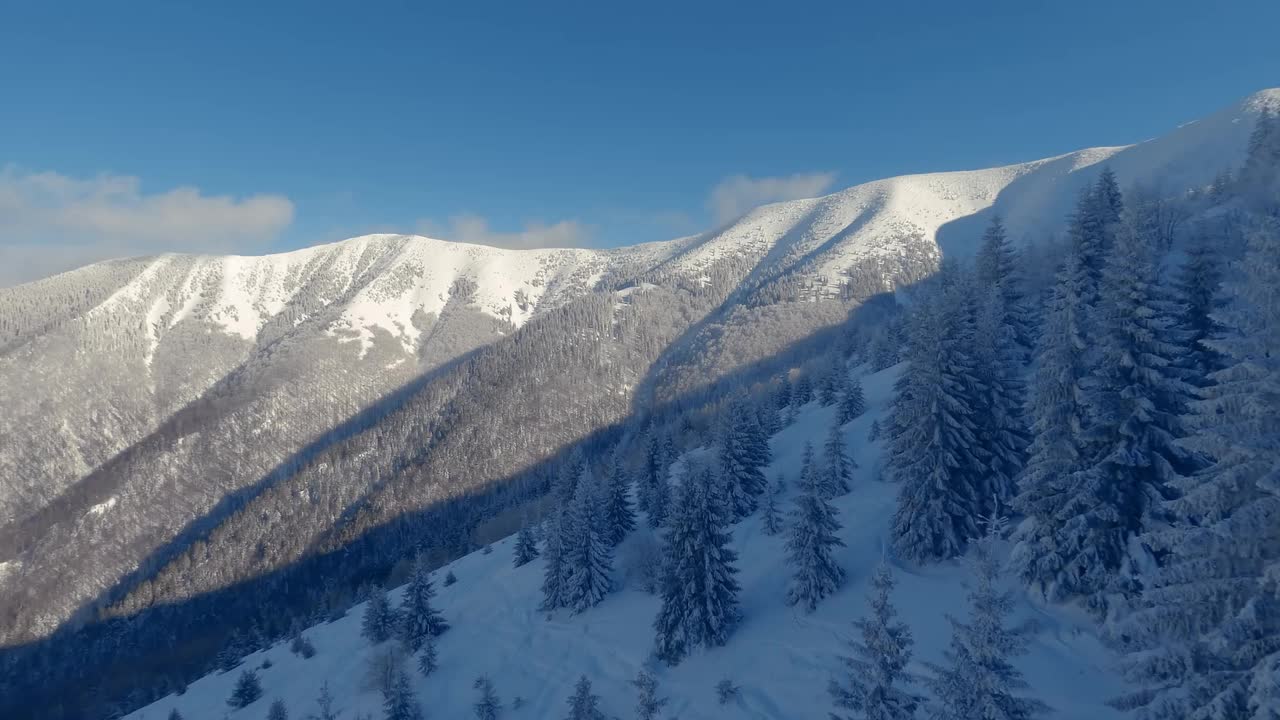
{"x": 781, "y": 657}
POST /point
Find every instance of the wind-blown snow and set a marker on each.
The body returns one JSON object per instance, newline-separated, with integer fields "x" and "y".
{"x": 781, "y": 657}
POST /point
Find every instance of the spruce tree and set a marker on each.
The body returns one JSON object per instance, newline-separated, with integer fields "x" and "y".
{"x": 277, "y": 711}
{"x": 996, "y": 266}
{"x": 875, "y": 674}
{"x": 175, "y": 715}
{"x": 418, "y": 618}
{"x": 810, "y": 542}
{"x": 619, "y": 517}
{"x": 428, "y": 661}
{"x": 584, "y": 705}
{"x": 772, "y": 514}
{"x": 487, "y": 706}
{"x": 247, "y": 690}
{"x": 1205, "y": 641}
{"x": 802, "y": 391}
{"x": 979, "y": 681}
{"x": 837, "y": 467}
{"x": 852, "y": 402}
{"x": 1198, "y": 286}
{"x": 1000, "y": 428}
{"x": 379, "y": 620}
{"x": 742, "y": 452}
{"x": 698, "y": 587}
{"x": 654, "y": 492}
{"x": 932, "y": 438}
{"x": 398, "y": 702}
{"x": 1134, "y": 398}
{"x": 526, "y": 548}
{"x": 588, "y": 555}
{"x": 1057, "y": 451}
{"x": 555, "y": 590}
{"x": 648, "y": 704}
{"x": 325, "y": 704}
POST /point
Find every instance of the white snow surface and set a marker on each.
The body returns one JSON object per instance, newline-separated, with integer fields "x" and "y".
{"x": 781, "y": 657}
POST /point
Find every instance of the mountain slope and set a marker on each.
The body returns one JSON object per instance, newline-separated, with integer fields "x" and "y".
{"x": 780, "y": 656}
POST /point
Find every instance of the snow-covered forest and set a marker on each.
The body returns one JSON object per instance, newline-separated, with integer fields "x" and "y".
{"x": 1037, "y": 479}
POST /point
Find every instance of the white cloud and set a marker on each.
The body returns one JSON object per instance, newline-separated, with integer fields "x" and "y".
{"x": 51, "y": 222}
{"x": 475, "y": 229}
{"x": 735, "y": 195}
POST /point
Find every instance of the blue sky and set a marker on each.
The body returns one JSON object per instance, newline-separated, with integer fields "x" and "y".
{"x": 254, "y": 126}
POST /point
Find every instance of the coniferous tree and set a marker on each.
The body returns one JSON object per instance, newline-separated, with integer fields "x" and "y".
{"x": 876, "y": 673}
{"x": 175, "y": 715}
{"x": 1134, "y": 398}
{"x": 584, "y": 705}
{"x": 996, "y": 266}
{"x": 247, "y": 690}
{"x": 742, "y": 452}
{"x": 654, "y": 493}
{"x": 783, "y": 395}
{"x": 648, "y": 704}
{"x": 837, "y": 467}
{"x": 398, "y": 702}
{"x": 418, "y": 618}
{"x": 1205, "y": 641}
{"x": 428, "y": 661}
{"x": 772, "y": 514}
{"x": 979, "y": 681}
{"x": 555, "y": 586}
{"x": 1259, "y": 179}
{"x": 379, "y": 620}
{"x": 487, "y": 706}
{"x": 277, "y": 711}
{"x": 802, "y": 391}
{"x": 526, "y": 548}
{"x": 932, "y": 440}
{"x": 325, "y": 704}
{"x": 1057, "y": 451}
{"x": 1000, "y": 429}
{"x": 698, "y": 587}
{"x": 810, "y": 542}
{"x": 1198, "y": 287}
{"x": 589, "y": 555}
{"x": 852, "y": 402}
{"x": 619, "y": 517}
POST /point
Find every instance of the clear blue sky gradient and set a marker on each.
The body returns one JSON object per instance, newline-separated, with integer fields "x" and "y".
{"x": 622, "y": 116}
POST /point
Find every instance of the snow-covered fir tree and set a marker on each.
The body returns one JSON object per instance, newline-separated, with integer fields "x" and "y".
{"x": 324, "y": 705}
{"x": 1199, "y": 295}
{"x": 932, "y": 439}
{"x": 811, "y": 538}
{"x": 979, "y": 681}
{"x": 771, "y": 514}
{"x": 742, "y": 451}
{"x": 619, "y": 516}
{"x": 247, "y": 690}
{"x": 802, "y": 390}
{"x": 648, "y": 704}
{"x": 653, "y": 493}
{"x": 379, "y": 621}
{"x": 526, "y": 546}
{"x": 1057, "y": 451}
{"x": 174, "y": 715}
{"x": 428, "y": 661}
{"x": 1134, "y": 397}
{"x": 1000, "y": 428}
{"x": 398, "y": 701}
{"x": 875, "y": 683}
{"x": 1205, "y": 640}
{"x": 837, "y": 467}
{"x": 487, "y": 705}
{"x": 852, "y": 402}
{"x": 588, "y": 554}
{"x": 997, "y": 269}
{"x": 699, "y": 589}
{"x": 555, "y": 574}
{"x": 585, "y": 704}
{"x": 277, "y": 711}
{"x": 418, "y": 617}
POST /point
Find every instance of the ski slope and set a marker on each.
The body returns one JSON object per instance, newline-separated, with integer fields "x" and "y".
{"x": 780, "y": 657}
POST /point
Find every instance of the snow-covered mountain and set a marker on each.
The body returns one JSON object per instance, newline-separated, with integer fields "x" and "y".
{"x": 178, "y": 424}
